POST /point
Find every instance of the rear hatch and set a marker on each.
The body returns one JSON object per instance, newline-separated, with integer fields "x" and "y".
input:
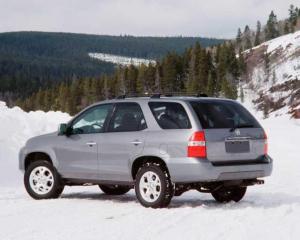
{"x": 232, "y": 134}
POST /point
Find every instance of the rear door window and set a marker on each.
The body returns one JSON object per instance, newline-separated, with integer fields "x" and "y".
{"x": 223, "y": 114}
{"x": 170, "y": 115}
{"x": 127, "y": 117}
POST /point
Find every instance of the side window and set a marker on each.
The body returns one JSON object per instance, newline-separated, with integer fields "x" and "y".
{"x": 127, "y": 117}
{"x": 92, "y": 120}
{"x": 170, "y": 115}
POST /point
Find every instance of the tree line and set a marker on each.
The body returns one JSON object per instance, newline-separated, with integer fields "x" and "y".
{"x": 33, "y": 60}
{"x": 214, "y": 71}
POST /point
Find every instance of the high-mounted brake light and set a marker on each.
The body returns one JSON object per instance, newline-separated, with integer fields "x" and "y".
{"x": 265, "y": 143}
{"x": 197, "y": 145}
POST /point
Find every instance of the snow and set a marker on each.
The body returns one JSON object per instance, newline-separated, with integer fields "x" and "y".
{"x": 270, "y": 211}
{"x": 286, "y": 65}
{"x": 121, "y": 60}
{"x": 16, "y": 126}
{"x": 289, "y": 42}
{"x": 283, "y": 66}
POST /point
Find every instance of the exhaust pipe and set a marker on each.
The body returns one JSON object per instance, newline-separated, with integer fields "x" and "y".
{"x": 251, "y": 182}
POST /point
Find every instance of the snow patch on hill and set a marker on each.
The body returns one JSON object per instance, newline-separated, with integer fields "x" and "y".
{"x": 121, "y": 60}
{"x": 273, "y": 72}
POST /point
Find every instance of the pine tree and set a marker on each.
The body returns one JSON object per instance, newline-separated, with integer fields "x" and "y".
{"x": 210, "y": 89}
{"x": 150, "y": 78}
{"x": 132, "y": 74}
{"x": 228, "y": 90}
{"x": 257, "y": 40}
{"x": 203, "y": 71}
{"x": 293, "y": 15}
{"x": 286, "y": 28}
{"x": 73, "y": 101}
{"x": 192, "y": 72}
{"x": 239, "y": 38}
{"x": 62, "y": 96}
{"x": 157, "y": 86}
{"x": 242, "y": 96}
{"x": 46, "y": 101}
{"x": 169, "y": 73}
{"x": 271, "y": 29}
{"x": 38, "y": 102}
{"x": 140, "y": 84}
{"x": 247, "y": 37}
{"x": 241, "y": 63}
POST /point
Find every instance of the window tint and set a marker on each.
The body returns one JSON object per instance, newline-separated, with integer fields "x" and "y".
{"x": 91, "y": 121}
{"x": 127, "y": 117}
{"x": 223, "y": 114}
{"x": 170, "y": 115}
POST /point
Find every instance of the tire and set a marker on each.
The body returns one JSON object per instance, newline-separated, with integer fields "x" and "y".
{"x": 226, "y": 194}
{"x": 156, "y": 193}
{"x": 114, "y": 189}
{"x": 42, "y": 181}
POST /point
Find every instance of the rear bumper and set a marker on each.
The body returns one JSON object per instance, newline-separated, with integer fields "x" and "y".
{"x": 201, "y": 170}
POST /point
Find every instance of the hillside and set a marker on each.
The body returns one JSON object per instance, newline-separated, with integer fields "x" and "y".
{"x": 273, "y": 73}
{"x": 33, "y": 60}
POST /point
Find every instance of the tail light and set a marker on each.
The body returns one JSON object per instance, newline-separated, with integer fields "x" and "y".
{"x": 265, "y": 143}
{"x": 197, "y": 145}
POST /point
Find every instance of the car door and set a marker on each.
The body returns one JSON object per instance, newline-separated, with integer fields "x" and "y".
{"x": 122, "y": 142}
{"x": 78, "y": 152}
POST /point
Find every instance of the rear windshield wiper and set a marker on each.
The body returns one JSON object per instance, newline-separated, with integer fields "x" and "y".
{"x": 241, "y": 126}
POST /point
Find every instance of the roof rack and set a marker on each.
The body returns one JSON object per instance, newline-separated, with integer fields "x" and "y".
{"x": 159, "y": 95}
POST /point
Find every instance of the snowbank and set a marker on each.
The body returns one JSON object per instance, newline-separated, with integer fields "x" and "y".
{"x": 16, "y": 126}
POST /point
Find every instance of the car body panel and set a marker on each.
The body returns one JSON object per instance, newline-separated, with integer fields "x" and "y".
{"x": 112, "y": 157}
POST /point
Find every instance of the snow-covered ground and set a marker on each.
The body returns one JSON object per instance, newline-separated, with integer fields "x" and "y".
{"x": 271, "y": 211}
{"x": 121, "y": 60}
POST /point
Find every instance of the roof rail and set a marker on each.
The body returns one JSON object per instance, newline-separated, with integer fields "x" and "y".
{"x": 159, "y": 95}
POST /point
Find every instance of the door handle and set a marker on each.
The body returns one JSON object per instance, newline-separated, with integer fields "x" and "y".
{"x": 91, "y": 144}
{"x": 136, "y": 142}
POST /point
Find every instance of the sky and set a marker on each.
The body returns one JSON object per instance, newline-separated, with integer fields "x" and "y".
{"x": 209, "y": 18}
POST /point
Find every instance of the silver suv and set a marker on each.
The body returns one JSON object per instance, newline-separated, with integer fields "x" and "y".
{"x": 160, "y": 146}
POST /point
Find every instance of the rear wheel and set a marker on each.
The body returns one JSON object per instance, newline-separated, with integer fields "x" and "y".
{"x": 153, "y": 186}
{"x": 114, "y": 189}
{"x": 227, "y": 194}
{"x": 42, "y": 181}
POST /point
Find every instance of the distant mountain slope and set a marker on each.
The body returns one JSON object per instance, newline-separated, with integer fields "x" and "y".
{"x": 273, "y": 71}
{"x": 29, "y": 60}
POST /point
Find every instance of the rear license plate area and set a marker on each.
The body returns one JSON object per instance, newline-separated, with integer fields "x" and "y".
{"x": 237, "y": 146}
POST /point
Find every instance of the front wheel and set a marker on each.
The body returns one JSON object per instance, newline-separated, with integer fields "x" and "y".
{"x": 153, "y": 186}
{"x": 42, "y": 181}
{"x": 114, "y": 189}
{"x": 227, "y": 194}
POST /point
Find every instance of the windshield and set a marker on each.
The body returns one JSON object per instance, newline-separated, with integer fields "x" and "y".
{"x": 223, "y": 114}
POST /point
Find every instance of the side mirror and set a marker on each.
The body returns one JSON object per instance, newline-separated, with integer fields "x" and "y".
{"x": 62, "y": 129}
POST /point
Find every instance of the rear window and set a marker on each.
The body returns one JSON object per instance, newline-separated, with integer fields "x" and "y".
{"x": 223, "y": 114}
{"x": 170, "y": 115}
